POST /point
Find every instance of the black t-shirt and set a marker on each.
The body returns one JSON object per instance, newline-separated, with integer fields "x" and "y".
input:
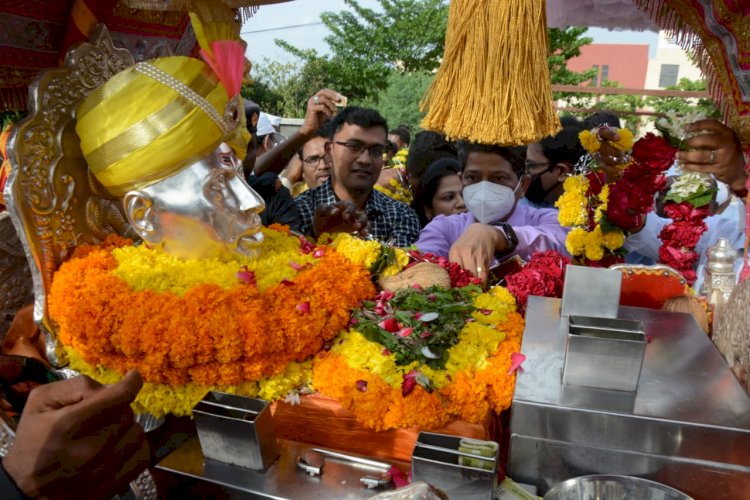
{"x": 280, "y": 208}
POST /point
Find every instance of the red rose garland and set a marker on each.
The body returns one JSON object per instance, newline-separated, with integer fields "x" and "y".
{"x": 543, "y": 276}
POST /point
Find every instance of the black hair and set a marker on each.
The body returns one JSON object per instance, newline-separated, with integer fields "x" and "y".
{"x": 465, "y": 148}
{"x": 601, "y": 118}
{"x": 391, "y": 147}
{"x": 353, "y": 115}
{"x": 429, "y": 182}
{"x": 427, "y": 148}
{"x": 565, "y": 147}
{"x": 324, "y": 131}
{"x": 569, "y": 121}
{"x": 402, "y": 133}
{"x": 251, "y": 109}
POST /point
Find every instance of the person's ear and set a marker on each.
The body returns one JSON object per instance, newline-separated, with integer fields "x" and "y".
{"x": 565, "y": 171}
{"x": 524, "y": 183}
{"x": 139, "y": 208}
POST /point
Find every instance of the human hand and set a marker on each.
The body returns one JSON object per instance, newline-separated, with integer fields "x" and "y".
{"x": 320, "y": 108}
{"x": 476, "y": 247}
{"x": 714, "y": 149}
{"x": 78, "y": 438}
{"x": 341, "y": 217}
{"x": 293, "y": 170}
{"x": 610, "y": 158}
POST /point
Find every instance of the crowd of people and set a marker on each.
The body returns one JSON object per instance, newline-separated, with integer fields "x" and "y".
{"x": 475, "y": 204}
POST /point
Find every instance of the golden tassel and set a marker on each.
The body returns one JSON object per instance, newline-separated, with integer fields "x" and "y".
{"x": 493, "y": 85}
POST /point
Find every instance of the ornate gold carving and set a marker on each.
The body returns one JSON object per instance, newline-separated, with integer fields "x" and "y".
{"x": 49, "y": 193}
{"x": 730, "y": 332}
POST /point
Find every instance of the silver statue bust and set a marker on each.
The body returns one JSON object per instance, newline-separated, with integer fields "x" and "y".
{"x": 203, "y": 211}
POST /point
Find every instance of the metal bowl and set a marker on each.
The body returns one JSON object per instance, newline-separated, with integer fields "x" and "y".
{"x": 609, "y": 487}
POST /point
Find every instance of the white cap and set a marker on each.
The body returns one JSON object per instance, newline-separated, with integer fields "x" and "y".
{"x": 265, "y": 126}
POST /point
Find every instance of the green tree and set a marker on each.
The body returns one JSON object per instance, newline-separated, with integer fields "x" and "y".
{"x": 683, "y": 105}
{"x": 565, "y": 44}
{"x": 399, "y": 103}
{"x": 622, "y": 102}
{"x": 367, "y": 46}
{"x": 283, "y": 88}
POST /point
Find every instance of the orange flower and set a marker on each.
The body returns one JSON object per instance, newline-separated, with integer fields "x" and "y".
{"x": 210, "y": 336}
{"x": 470, "y": 395}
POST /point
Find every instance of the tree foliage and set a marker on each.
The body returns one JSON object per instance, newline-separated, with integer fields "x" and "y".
{"x": 683, "y": 105}
{"x": 367, "y": 46}
{"x": 399, "y": 103}
{"x": 383, "y": 59}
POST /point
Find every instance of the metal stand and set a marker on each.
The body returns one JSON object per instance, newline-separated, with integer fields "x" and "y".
{"x": 687, "y": 426}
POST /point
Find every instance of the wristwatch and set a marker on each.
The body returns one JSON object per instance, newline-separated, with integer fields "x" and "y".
{"x": 510, "y": 237}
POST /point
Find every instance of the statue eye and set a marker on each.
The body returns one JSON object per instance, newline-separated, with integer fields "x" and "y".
{"x": 226, "y": 159}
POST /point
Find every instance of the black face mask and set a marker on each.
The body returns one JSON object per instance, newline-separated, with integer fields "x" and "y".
{"x": 536, "y": 192}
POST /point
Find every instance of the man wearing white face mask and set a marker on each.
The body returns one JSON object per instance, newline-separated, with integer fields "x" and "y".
{"x": 496, "y": 226}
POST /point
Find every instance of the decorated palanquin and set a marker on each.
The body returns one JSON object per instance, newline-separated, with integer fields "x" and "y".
{"x": 298, "y": 318}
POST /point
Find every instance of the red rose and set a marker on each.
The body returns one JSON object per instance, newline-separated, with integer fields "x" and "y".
{"x": 597, "y": 180}
{"x": 681, "y": 234}
{"x": 654, "y": 152}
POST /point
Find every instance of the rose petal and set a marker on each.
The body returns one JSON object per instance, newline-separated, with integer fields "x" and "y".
{"x": 318, "y": 253}
{"x": 390, "y": 325}
{"x": 405, "y": 332}
{"x": 303, "y": 307}
{"x": 362, "y": 385}
{"x": 515, "y": 361}
{"x": 246, "y": 275}
{"x": 294, "y": 265}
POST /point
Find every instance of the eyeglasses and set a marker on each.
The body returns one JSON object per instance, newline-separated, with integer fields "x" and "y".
{"x": 357, "y": 148}
{"x": 312, "y": 161}
{"x": 532, "y": 168}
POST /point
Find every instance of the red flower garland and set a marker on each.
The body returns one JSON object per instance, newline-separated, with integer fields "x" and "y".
{"x": 543, "y": 275}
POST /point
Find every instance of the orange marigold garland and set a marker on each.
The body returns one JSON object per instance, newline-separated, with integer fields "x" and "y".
{"x": 210, "y": 335}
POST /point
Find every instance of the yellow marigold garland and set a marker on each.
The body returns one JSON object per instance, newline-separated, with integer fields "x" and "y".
{"x": 163, "y": 399}
{"x": 367, "y": 252}
{"x": 475, "y": 379}
{"x": 208, "y": 334}
{"x": 577, "y": 206}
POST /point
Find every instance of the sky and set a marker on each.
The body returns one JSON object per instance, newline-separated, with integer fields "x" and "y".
{"x": 261, "y": 30}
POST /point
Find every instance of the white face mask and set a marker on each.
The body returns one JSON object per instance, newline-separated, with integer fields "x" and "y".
{"x": 489, "y": 202}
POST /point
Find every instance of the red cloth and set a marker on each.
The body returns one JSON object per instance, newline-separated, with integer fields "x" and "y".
{"x": 37, "y": 34}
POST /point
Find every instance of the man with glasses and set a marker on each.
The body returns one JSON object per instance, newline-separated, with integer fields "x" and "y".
{"x": 496, "y": 225}
{"x": 549, "y": 162}
{"x": 347, "y": 202}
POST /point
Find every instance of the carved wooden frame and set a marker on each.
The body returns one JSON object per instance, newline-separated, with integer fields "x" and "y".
{"x": 49, "y": 191}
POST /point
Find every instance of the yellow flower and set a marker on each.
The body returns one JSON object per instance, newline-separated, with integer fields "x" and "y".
{"x": 162, "y": 399}
{"x": 573, "y": 202}
{"x": 575, "y": 242}
{"x": 359, "y": 251}
{"x": 589, "y": 141}
{"x": 614, "y": 239}
{"x": 603, "y": 202}
{"x": 626, "y": 140}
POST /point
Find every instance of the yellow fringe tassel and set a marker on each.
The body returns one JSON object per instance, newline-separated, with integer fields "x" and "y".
{"x": 493, "y": 85}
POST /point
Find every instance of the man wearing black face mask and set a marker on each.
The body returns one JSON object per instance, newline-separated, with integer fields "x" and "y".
{"x": 549, "y": 162}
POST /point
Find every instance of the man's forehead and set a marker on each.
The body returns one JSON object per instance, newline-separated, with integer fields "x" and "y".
{"x": 316, "y": 144}
{"x": 480, "y": 160}
{"x": 351, "y": 131}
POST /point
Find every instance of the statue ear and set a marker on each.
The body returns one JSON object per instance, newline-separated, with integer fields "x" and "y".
{"x": 143, "y": 216}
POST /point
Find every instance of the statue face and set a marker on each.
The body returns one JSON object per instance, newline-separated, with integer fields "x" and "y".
{"x": 205, "y": 210}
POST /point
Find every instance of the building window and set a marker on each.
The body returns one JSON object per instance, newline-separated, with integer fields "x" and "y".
{"x": 605, "y": 73}
{"x": 595, "y": 78}
{"x": 668, "y": 75}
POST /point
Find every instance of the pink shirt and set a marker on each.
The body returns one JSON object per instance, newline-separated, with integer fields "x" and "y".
{"x": 537, "y": 230}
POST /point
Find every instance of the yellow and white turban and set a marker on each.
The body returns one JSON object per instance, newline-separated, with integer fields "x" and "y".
{"x": 151, "y": 120}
